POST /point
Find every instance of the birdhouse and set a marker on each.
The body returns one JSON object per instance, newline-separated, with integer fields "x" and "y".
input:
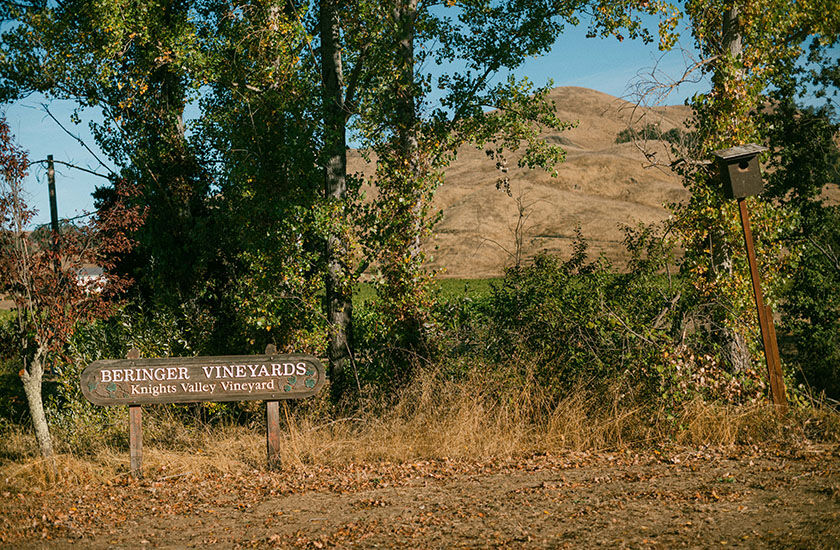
{"x": 740, "y": 171}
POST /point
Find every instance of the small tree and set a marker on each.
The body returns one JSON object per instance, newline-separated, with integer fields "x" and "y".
{"x": 42, "y": 276}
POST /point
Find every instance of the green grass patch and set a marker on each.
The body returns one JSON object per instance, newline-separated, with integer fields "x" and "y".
{"x": 446, "y": 289}
{"x": 466, "y": 288}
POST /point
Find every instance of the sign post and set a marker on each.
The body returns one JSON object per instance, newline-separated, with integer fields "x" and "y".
{"x": 134, "y": 382}
{"x": 272, "y": 433}
{"x": 741, "y": 175}
{"x": 272, "y": 424}
{"x": 135, "y": 431}
{"x": 765, "y": 317}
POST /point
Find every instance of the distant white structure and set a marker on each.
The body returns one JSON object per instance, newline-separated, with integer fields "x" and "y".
{"x": 91, "y": 278}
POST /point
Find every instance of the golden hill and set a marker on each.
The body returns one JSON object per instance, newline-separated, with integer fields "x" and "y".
{"x": 601, "y": 187}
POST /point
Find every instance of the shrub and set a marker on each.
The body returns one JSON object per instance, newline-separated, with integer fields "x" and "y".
{"x": 650, "y": 131}
{"x": 12, "y": 399}
{"x": 581, "y": 324}
{"x": 583, "y": 321}
{"x": 567, "y": 325}
{"x": 812, "y": 306}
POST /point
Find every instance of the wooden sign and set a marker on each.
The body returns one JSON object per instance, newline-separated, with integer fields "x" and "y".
{"x": 193, "y": 379}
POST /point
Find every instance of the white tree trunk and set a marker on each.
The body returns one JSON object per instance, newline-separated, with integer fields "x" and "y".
{"x": 32, "y": 378}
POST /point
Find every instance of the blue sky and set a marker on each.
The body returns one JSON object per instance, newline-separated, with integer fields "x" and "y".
{"x": 602, "y": 64}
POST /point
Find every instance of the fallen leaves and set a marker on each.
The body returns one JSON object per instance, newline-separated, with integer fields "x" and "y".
{"x": 431, "y": 503}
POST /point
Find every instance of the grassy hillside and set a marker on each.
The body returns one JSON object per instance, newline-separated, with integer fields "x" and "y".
{"x": 602, "y": 186}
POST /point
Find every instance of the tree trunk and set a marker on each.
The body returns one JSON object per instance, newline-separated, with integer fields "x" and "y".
{"x": 405, "y": 16}
{"x": 338, "y": 285}
{"x": 32, "y": 378}
{"x": 734, "y": 343}
{"x": 732, "y": 40}
{"x": 411, "y": 185}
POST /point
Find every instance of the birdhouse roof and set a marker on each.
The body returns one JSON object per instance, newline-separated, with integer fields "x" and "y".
{"x": 734, "y": 153}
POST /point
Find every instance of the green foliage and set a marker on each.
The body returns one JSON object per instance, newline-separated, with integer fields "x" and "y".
{"x": 812, "y": 305}
{"x": 139, "y": 65}
{"x": 750, "y": 48}
{"x": 12, "y": 399}
{"x": 651, "y": 131}
{"x": 154, "y": 333}
{"x": 563, "y": 324}
{"x": 261, "y": 126}
{"x": 234, "y": 228}
{"x": 232, "y": 255}
{"x": 490, "y": 39}
{"x": 236, "y": 224}
{"x": 158, "y": 334}
{"x": 808, "y": 161}
{"x": 583, "y": 321}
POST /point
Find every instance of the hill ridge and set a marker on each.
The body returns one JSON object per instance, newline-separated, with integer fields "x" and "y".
{"x": 601, "y": 187}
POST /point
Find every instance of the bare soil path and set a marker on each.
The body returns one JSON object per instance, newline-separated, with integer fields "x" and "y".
{"x": 736, "y": 497}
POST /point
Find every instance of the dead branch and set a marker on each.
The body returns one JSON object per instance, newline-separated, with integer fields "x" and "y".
{"x": 77, "y": 138}
{"x": 652, "y": 88}
{"x": 74, "y": 166}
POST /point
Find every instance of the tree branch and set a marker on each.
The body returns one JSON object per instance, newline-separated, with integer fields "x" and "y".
{"x": 827, "y": 252}
{"x": 77, "y": 138}
{"x": 353, "y": 82}
{"x": 69, "y": 165}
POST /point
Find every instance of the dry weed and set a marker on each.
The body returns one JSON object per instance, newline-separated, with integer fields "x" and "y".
{"x": 477, "y": 419}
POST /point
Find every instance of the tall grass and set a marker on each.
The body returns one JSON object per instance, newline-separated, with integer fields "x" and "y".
{"x": 474, "y": 419}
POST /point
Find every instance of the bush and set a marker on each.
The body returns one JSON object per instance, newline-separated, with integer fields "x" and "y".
{"x": 13, "y": 405}
{"x": 568, "y": 325}
{"x": 583, "y": 321}
{"x": 812, "y": 306}
{"x": 806, "y": 159}
{"x": 161, "y": 333}
{"x": 649, "y": 131}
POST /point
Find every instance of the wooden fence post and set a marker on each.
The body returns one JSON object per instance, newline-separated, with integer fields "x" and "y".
{"x": 272, "y": 425}
{"x": 135, "y": 440}
{"x": 135, "y": 431}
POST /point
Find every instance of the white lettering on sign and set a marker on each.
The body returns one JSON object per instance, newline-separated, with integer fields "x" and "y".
{"x": 166, "y": 374}
{"x": 160, "y": 374}
{"x": 254, "y": 371}
{"x": 247, "y": 386}
{"x": 154, "y": 391}
{"x": 185, "y": 380}
{"x": 198, "y": 387}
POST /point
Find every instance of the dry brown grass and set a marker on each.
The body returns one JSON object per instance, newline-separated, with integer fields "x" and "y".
{"x": 601, "y": 187}
{"x": 722, "y": 425}
{"x": 222, "y": 449}
{"x": 475, "y": 420}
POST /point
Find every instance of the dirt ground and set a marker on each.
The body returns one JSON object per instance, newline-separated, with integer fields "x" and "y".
{"x": 735, "y": 497}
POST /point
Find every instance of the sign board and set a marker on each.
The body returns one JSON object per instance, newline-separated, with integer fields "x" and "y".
{"x": 191, "y": 379}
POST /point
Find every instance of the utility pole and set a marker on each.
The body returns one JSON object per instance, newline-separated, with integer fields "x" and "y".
{"x": 53, "y": 202}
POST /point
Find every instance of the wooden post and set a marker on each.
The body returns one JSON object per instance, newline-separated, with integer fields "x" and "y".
{"x": 272, "y": 425}
{"x": 765, "y": 318}
{"x": 135, "y": 431}
{"x": 272, "y": 435}
{"x": 777, "y": 380}
{"x": 53, "y": 200}
{"x": 54, "y": 227}
{"x": 135, "y": 440}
